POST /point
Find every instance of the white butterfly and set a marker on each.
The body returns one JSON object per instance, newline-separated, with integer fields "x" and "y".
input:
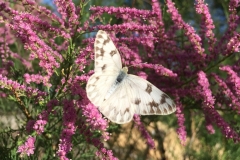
{"x": 119, "y": 95}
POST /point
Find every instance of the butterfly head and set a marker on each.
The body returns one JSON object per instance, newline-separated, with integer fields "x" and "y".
{"x": 125, "y": 70}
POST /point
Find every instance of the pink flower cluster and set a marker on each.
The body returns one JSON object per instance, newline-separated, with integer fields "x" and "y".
{"x": 94, "y": 118}
{"x": 209, "y": 111}
{"x": 121, "y": 12}
{"x": 207, "y": 25}
{"x": 226, "y": 90}
{"x": 68, "y": 12}
{"x": 189, "y": 31}
{"x": 39, "y": 124}
{"x": 28, "y": 147}
{"x": 205, "y": 91}
{"x": 69, "y": 120}
{"x": 182, "y": 134}
{"x": 234, "y": 79}
{"x": 144, "y": 132}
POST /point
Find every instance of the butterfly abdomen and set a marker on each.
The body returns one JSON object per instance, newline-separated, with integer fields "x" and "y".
{"x": 116, "y": 83}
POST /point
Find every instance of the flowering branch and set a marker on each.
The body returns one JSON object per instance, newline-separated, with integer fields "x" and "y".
{"x": 46, "y": 61}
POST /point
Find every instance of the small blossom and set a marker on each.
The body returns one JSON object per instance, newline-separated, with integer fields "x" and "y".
{"x": 43, "y": 117}
{"x": 105, "y": 153}
{"x": 39, "y": 126}
{"x": 234, "y": 44}
{"x": 233, "y": 17}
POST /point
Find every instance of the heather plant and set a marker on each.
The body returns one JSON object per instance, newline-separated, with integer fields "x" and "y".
{"x": 47, "y": 57}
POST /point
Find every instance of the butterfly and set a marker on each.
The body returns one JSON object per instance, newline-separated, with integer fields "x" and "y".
{"x": 117, "y": 94}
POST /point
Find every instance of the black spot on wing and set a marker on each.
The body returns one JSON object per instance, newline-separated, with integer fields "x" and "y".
{"x": 106, "y": 41}
{"x": 163, "y": 98}
{"x": 97, "y": 49}
{"x": 104, "y": 67}
{"x": 144, "y": 112}
{"x": 137, "y": 101}
{"x": 149, "y": 88}
{"x": 101, "y": 52}
{"x": 153, "y": 104}
{"x": 154, "y": 107}
{"x": 99, "y": 36}
{"x": 170, "y": 108}
{"x": 165, "y": 111}
{"x": 97, "y": 41}
{"x": 126, "y": 110}
{"x": 112, "y": 53}
{"x": 101, "y": 32}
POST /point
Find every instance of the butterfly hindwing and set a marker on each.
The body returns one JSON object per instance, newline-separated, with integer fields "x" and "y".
{"x": 97, "y": 87}
{"x": 148, "y": 99}
{"x": 118, "y": 107}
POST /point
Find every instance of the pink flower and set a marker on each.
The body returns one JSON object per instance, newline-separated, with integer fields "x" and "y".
{"x": 233, "y": 78}
{"x": 205, "y": 91}
{"x": 107, "y": 153}
{"x": 39, "y": 126}
{"x": 95, "y": 119}
{"x": 209, "y": 111}
{"x": 69, "y": 120}
{"x": 182, "y": 134}
{"x": 234, "y": 44}
{"x": 68, "y": 11}
{"x": 207, "y": 25}
{"x": 43, "y": 117}
{"x": 189, "y": 31}
{"x": 28, "y": 147}
{"x": 226, "y": 89}
{"x": 143, "y": 131}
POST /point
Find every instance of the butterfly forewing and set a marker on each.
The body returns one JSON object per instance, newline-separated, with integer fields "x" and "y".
{"x": 106, "y": 67}
{"x": 107, "y": 57}
{"x": 119, "y": 95}
{"x": 148, "y": 99}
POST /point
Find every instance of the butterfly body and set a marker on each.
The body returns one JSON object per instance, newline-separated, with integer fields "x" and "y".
{"x": 121, "y": 76}
{"x": 117, "y": 94}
